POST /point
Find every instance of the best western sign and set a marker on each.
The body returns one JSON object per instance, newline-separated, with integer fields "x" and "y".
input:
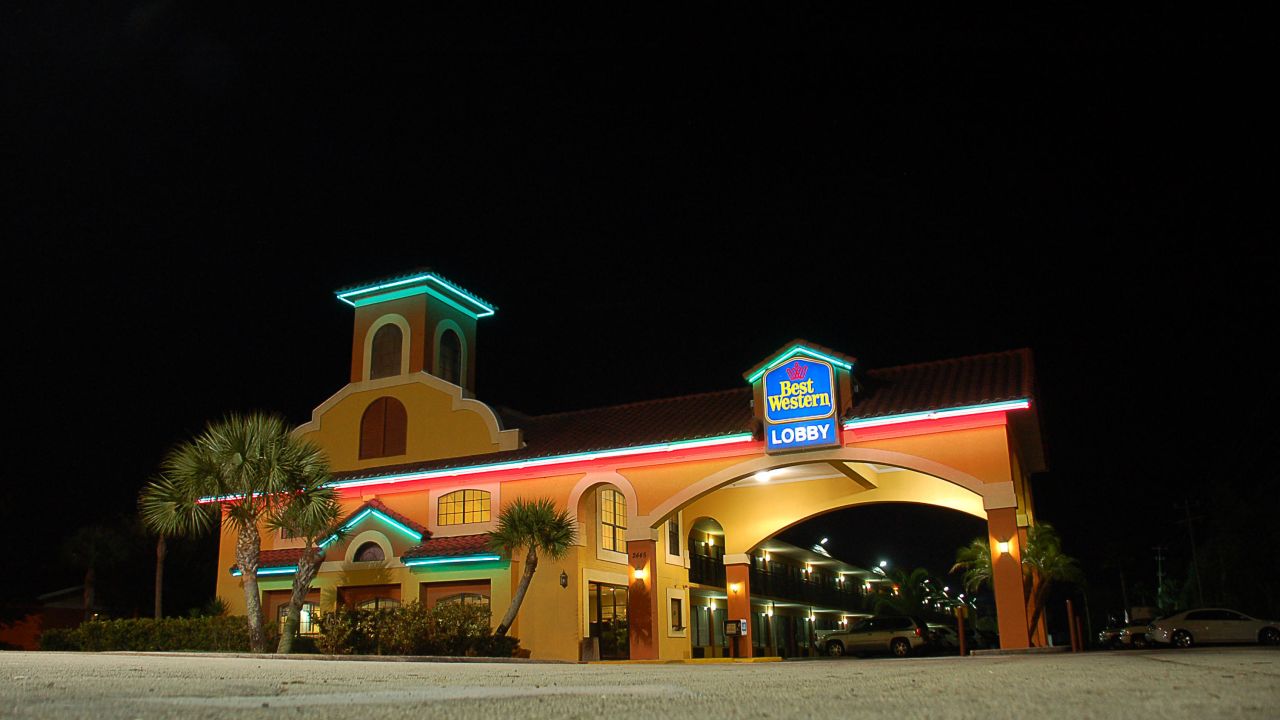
{"x": 800, "y": 406}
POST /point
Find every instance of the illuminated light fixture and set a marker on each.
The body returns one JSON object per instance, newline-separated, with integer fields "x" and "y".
{"x": 763, "y": 476}
{"x": 766, "y": 556}
{"x": 840, "y": 579}
{"x": 769, "y": 610}
{"x": 540, "y": 462}
{"x": 640, "y": 574}
{"x": 946, "y": 588}
{"x": 283, "y": 570}
{"x": 417, "y": 536}
{"x": 823, "y": 541}
{"x": 416, "y": 562}
{"x": 711, "y": 541}
{"x": 735, "y": 588}
{"x": 938, "y": 414}
{"x": 443, "y": 290}
{"x": 1003, "y": 547}
{"x": 884, "y": 563}
{"x": 808, "y": 567}
{"x": 792, "y": 352}
{"x": 564, "y": 579}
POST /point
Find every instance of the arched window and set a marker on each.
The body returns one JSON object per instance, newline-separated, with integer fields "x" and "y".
{"x": 464, "y": 599}
{"x": 449, "y": 368}
{"x": 384, "y": 360}
{"x": 370, "y": 552}
{"x": 613, "y": 520}
{"x": 383, "y": 429}
{"x": 379, "y": 603}
{"x": 463, "y": 506}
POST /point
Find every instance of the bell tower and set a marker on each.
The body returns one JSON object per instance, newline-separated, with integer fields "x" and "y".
{"x": 415, "y": 322}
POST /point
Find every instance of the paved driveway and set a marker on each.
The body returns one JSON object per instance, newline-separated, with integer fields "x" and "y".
{"x": 1198, "y": 683}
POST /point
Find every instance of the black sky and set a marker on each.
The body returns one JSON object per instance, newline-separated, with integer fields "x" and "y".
{"x": 189, "y": 184}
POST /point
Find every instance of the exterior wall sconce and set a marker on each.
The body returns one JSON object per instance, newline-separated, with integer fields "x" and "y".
{"x": 640, "y": 574}
{"x": 735, "y": 588}
{"x": 564, "y": 579}
{"x": 1003, "y": 547}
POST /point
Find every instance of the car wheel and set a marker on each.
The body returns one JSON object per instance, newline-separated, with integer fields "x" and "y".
{"x": 1269, "y": 636}
{"x": 900, "y": 647}
{"x": 1182, "y": 639}
{"x": 835, "y": 648}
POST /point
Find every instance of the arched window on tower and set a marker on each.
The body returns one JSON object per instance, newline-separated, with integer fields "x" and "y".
{"x": 384, "y": 360}
{"x": 384, "y": 429}
{"x": 450, "y": 365}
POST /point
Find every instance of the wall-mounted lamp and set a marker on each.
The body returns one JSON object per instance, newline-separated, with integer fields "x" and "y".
{"x": 1003, "y": 547}
{"x": 640, "y": 574}
{"x": 564, "y": 579}
{"x": 766, "y": 556}
{"x": 735, "y": 588}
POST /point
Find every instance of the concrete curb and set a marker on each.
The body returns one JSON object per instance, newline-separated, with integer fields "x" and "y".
{"x": 689, "y": 661}
{"x": 354, "y": 658}
{"x": 1022, "y": 651}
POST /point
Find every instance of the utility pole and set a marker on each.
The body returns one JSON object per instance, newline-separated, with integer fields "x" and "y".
{"x": 1160, "y": 575}
{"x": 1195, "y": 563}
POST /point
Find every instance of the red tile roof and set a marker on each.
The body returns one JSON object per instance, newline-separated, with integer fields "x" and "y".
{"x": 279, "y": 558}
{"x": 378, "y": 505}
{"x": 450, "y": 547}
{"x": 957, "y": 382}
{"x": 973, "y": 380}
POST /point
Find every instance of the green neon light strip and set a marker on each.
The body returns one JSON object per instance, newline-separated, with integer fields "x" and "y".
{"x": 364, "y": 296}
{"x": 417, "y": 536}
{"x": 447, "y": 560}
{"x": 554, "y": 460}
{"x": 796, "y": 350}
{"x": 938, "y": 414}
{"x": 289, "y": 570}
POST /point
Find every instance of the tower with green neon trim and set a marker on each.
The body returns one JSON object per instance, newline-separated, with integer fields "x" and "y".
{"x": 417, "y": 321}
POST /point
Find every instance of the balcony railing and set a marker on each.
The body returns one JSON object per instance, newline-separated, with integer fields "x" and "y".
{"x": 783, "y": 585}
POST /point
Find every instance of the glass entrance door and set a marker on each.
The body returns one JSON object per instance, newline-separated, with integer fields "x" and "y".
{"x": 608, "y": 620}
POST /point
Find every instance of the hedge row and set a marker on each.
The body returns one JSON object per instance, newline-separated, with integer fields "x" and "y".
{"x": 447, "y": 629}
{"x": 202, "y": 634}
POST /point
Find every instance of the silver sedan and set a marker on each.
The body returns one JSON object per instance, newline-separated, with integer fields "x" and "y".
{"x": 1213, "y": 625}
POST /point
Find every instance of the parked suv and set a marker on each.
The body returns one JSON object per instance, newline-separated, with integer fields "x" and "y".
{"x": 896, "y": 635}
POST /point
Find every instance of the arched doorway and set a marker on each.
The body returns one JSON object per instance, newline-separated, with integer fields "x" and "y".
{"x": 757, "y": 499}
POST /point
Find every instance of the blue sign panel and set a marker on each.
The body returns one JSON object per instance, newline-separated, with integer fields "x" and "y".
{"x": 800, "y": 389}
{"x": 800, "y": 406}
{"x": 802, "y": 435}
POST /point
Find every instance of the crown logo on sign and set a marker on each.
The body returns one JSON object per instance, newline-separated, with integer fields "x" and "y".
{"x": 797, "y": 371}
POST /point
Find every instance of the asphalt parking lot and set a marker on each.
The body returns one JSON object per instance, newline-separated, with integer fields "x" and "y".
{"x": 1202, "y": 682}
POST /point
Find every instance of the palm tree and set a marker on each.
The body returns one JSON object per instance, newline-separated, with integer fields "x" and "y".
{"x": 975, "y": 560}
{"x": 910, "y": 593}
{"x": 253, "y": 466}
{"x": 1044, "y": 564}
{"x": 172, "y": 510}
{"x": 312, "y": 516}
{"x": 537, "y": 526}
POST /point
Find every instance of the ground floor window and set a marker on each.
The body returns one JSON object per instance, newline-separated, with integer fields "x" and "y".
{"x": 369, "y": 597}
{"x": 607, "y": 620}
{"x": 465, "y": 592}
{"x": 707, "y": 626}
{"x": 306, "y": 618}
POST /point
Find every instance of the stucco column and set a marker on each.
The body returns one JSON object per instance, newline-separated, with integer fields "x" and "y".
{"x": 1006, "y": 578}
{"x": 737, "y": 587}
{"x": 642, "y": 599}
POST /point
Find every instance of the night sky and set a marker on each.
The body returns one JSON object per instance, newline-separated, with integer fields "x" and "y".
{"x": 654, "y": 209}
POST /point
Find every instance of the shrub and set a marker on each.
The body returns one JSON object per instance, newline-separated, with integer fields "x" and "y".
{"x": 205, "y": 634}
{"x": 447, "y": 629}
